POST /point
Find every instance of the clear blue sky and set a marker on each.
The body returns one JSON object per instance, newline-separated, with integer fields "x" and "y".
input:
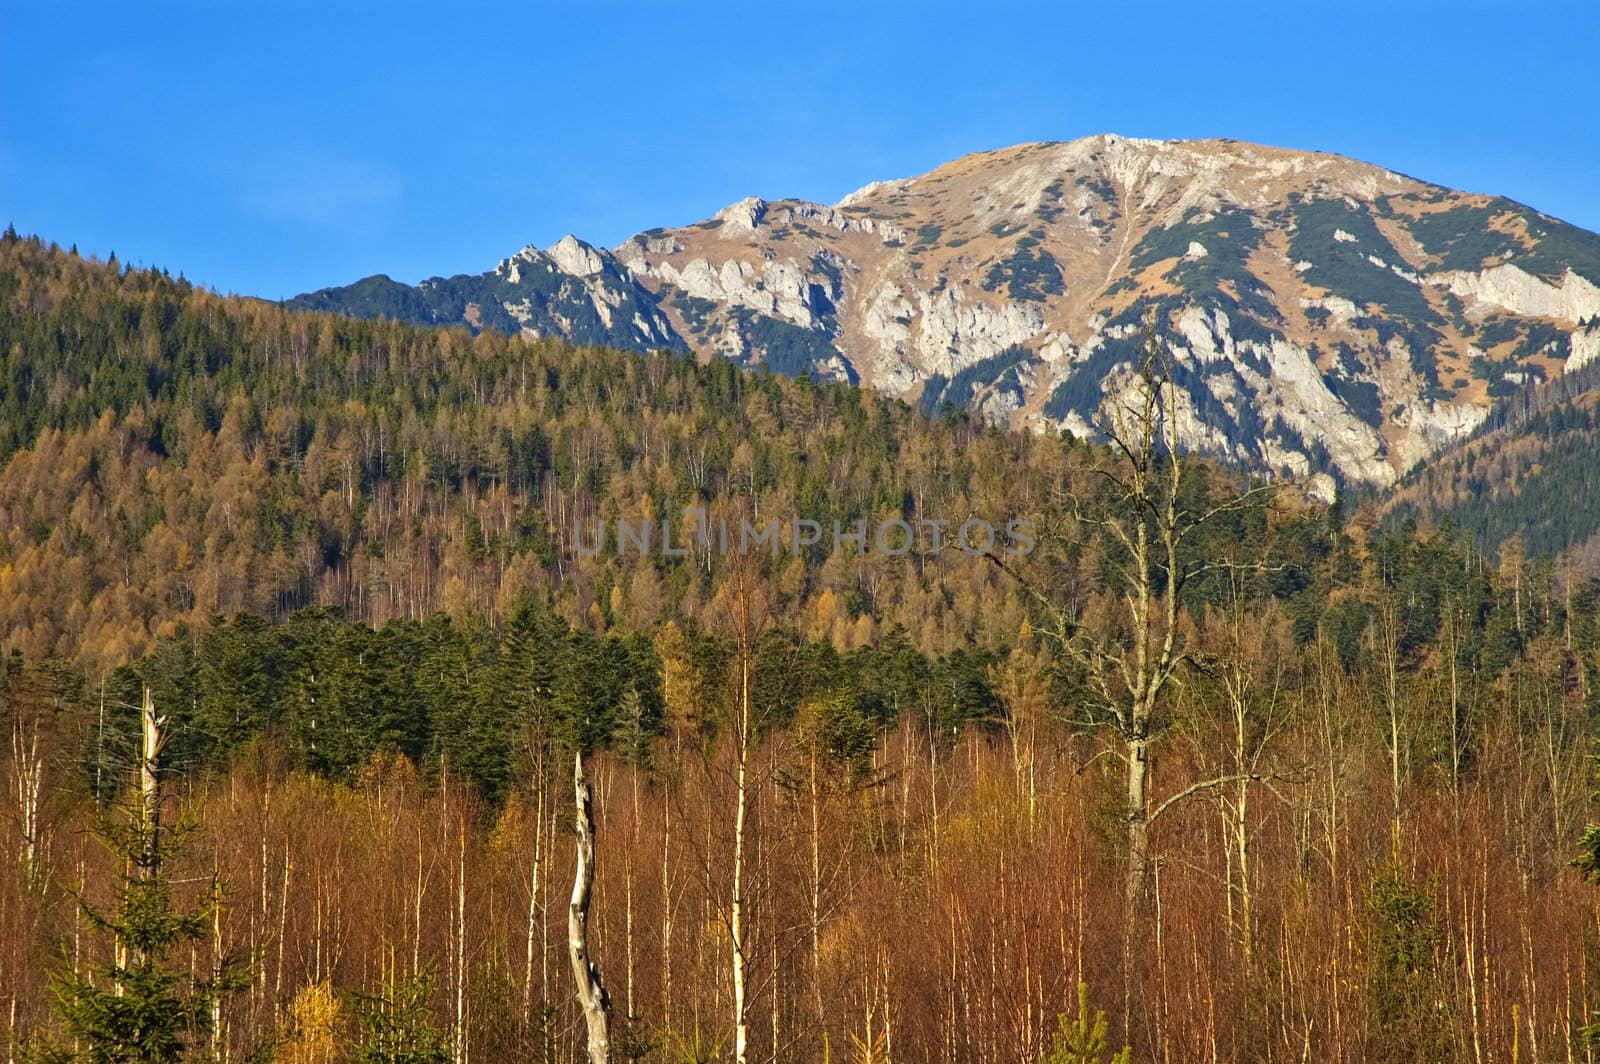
{"x": 270, "y": 148}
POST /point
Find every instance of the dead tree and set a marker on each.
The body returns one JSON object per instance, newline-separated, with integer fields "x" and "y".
{"x": 592, "y": 996}
{"x": 1144, "y": 523}
{"x": 153, "y": 730}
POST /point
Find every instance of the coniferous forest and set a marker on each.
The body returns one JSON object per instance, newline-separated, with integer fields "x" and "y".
{"x": 303, "y": 649}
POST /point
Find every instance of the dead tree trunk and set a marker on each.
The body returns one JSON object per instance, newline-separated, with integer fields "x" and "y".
{"x": 592, "y": 997}
{"x": 154, "y": 733}
{"x": 148, "y": 860}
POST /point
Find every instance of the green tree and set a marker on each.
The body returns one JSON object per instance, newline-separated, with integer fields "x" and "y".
{"x": 1410, "y": 1015}
{"x": 397, "y": 1025}
{"x": 1082, "y": 1039}
{"x": 237, "y": 681}
{"x": 1588, "y": 863}
{"x": 145, "y": 1004}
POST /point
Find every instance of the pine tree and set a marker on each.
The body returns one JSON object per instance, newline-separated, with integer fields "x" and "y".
{"x": 1082, "y": 1039}
{"x": 1410, "y": 1016}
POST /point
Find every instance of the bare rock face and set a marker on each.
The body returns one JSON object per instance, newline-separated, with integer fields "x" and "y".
{"x": 1327, "y": 318}
{"x": 575, "y": 257}
{"x": 957, "y": 331}
{"x": 1584, "y": 345}
{"x": 1570, "y": 299}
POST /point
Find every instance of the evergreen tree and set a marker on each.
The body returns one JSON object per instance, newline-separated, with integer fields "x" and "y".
{"x": 1410, "y": 1016}
{"x": 144, "y": 1004}
{"x": 1082, "y": 1039}
{"x": 397, "y": 1025}
{"x": 237, "y": 679}
{"x": 1588, "y": 863}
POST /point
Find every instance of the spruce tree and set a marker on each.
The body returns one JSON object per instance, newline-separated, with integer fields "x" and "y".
{"x": 143, "y": 1004}
{"x": 398, "y": 1026}
{"x": 1410, "y": 1018}
{"x": 1588, "y": 864}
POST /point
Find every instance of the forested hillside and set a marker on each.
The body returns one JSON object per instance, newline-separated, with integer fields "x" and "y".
{"x": 170, "y": 455}
{"x": 1262, "y": 780}
{"x": 1528, "y": 480}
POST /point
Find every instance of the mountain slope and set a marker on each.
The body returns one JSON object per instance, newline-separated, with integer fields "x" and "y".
{"x": 1326, "y": 315}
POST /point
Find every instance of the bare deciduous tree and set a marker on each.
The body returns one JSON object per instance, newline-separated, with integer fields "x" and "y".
{"x": 1144, "y": 525}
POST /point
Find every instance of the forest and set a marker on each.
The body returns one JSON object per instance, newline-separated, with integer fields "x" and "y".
{"x": 1214, "y": 773}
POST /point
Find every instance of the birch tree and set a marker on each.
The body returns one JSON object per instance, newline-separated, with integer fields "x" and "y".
{"x": 747, "y": 609}
{"x": 1144, "y": 525}
{"x": 27, "y": 786}
{"x": 1245, "y": 665}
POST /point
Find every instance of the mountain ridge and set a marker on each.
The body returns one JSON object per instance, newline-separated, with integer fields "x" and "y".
{"x": 1329, "y": 318}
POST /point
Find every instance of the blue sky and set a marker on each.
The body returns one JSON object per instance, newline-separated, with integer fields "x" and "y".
{"x": 273, "y": 148}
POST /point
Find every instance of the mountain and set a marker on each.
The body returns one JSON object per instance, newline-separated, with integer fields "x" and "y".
{"x": 571, "y": 291}
{"x": 1328, "y": 318}
{"x": 179, "y": 470}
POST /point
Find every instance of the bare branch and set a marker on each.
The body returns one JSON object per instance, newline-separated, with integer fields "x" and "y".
{"x": 1196, "y": 788}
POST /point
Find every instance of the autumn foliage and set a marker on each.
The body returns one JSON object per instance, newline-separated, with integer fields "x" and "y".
{"x": 338, "y": 554}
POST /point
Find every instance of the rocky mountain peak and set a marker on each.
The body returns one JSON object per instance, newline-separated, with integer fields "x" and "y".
{"x": 1327, "y": 317}
{"x": 745, "y": 215}
{"x": 575, "y": 257}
